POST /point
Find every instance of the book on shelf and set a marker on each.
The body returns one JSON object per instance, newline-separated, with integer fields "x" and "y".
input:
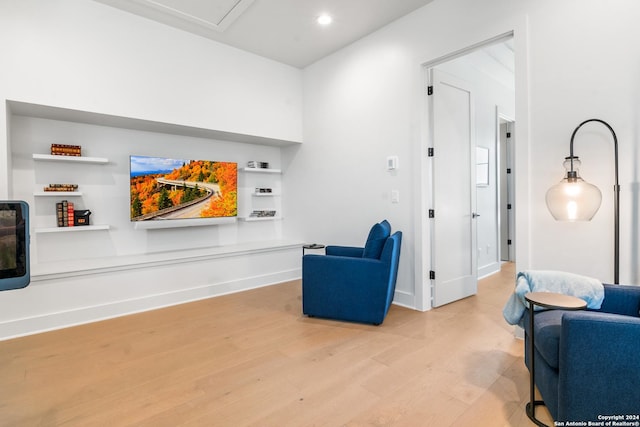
{"x": 59, "y": 214}
{"x": 65, "y": 214}
{"x": 61, "y": 187}
{"x": 66, "y": 150}
{"x": 257, "y": 165}
{"x": 263, "y": 213}
{"x": 70, "y": 218}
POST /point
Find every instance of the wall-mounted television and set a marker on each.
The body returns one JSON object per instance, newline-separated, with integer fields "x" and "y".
{"x": 14, "y": 245}
{"x": 165, "y": 189}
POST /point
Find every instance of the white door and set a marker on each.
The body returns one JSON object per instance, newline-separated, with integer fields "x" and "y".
{"x": 454, "y": 256}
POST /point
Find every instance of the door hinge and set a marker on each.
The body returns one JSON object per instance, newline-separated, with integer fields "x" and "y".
{"x": 508, "y": 134}
{"x": 432, "y": 275}
{"x": 509, "y": 242}
{"x": 432, "y": 213}
{"x": 430, "y": 152}
{"x": 508, "y": 205}
{"x": 429, "y": 90}
{"x": 508, "y": 170}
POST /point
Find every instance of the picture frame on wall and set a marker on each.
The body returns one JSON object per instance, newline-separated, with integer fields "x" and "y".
{"x": 482, "y": 166}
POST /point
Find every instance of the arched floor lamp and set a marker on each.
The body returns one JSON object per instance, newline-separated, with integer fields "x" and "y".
{"x": 574, "y": 199}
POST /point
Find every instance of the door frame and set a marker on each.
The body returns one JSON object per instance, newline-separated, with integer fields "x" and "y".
{"x": 509, "y": 190}
{"x": 423, "y": 196}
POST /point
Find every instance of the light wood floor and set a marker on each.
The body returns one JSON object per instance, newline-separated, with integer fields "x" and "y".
{"x": 252, "y": 359}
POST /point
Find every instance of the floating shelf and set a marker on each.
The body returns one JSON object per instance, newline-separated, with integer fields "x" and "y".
{"x": 186, "y": 222}
{"x": 261, "y": 170}
{"x": 72, "y": 229}
{"x": 70, "y": 159}
{"x": 57, "y": 193}
{"x": 261, "y": 218}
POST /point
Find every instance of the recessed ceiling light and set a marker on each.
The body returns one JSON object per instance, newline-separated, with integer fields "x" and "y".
{"x": 324, "y": 19}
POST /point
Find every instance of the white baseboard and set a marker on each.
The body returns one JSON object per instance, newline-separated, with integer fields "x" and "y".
{"x": 488, "y": 270}
{"x": 51, "y": 321}
{"x": 404, "y": 299}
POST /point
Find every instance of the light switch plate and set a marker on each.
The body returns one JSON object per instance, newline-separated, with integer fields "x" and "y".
{"x": 392, "y": 163}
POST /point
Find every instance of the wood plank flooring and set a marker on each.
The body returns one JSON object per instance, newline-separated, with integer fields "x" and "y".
{"x": 252, "y": 359}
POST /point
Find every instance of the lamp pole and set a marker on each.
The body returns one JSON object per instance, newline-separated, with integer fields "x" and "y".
{"x": 616, "y": 195}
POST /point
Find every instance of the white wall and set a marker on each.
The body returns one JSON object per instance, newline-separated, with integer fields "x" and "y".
{"x": 585, "y": 64}
{"x": 86, "y": 56}
{"x": 574, "y": 60}
{"x": 356, "y": 114}
{"x": 365, "y": 103}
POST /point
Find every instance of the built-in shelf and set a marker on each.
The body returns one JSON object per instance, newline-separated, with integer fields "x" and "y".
{"x": 71, "y": 159}
{"x": 185, "y": 222}
{"x": 57, "y": 193}
{"x": 262, "y": 170}
{"x": 71, "y": 229}
{"x": 257, "y": 201}
{"x": 260, "y": 218}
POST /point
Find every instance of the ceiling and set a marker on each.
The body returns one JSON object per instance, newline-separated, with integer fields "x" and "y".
{"x": 286, "y": 30}
{"x": 496, "y": 60}
{"x": 282, "y": 30}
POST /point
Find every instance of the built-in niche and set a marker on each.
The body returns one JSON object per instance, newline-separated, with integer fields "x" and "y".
{"x": 102, "y": 176}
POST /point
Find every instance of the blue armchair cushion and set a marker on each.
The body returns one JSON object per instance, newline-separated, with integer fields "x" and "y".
{"x": 547, "y": 331}
{"x": 348, "y": 251}
{"x": 621, "y": 299}
{"x": 378, "y": 235}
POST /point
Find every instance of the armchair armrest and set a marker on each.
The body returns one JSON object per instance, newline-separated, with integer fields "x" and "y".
{"x": 348, "y": 251}
{"x": 621, "y": 299}
{"x": 599, "y": 357}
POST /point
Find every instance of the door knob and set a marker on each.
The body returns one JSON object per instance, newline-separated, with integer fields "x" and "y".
{"x": 475, "y": 215}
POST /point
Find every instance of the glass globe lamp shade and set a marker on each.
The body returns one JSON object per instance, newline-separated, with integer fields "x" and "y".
{"x": 573, "y": 199}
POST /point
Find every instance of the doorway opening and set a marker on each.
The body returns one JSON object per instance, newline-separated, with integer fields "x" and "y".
{"x": 475, "y": 247}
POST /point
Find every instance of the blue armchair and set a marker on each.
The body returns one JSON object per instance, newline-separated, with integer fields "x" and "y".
{"x": 588, "y": 362}
{"x": 353, "y": 284}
